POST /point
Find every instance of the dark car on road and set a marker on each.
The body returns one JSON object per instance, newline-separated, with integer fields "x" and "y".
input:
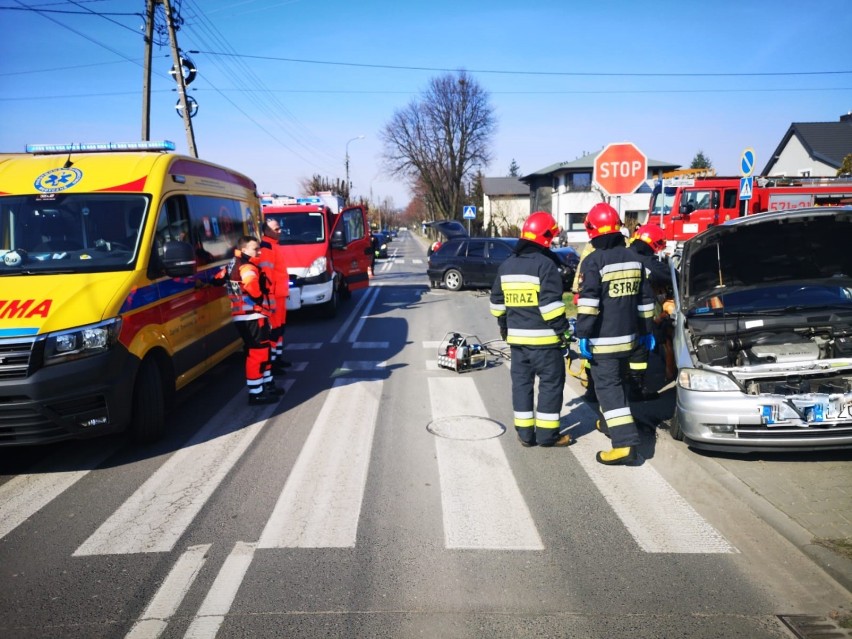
{"x": 464, "y": 261}
{"x": 380, "y": 245}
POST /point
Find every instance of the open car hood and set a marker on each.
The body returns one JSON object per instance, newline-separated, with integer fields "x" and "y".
{"x": 450, "y": 229}
{"x": 808, "y": 245}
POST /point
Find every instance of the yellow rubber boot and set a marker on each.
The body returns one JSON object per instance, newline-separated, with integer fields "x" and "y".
{"x": 616, "y": 456}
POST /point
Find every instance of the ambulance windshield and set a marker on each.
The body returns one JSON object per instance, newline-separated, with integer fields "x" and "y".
{"x": 80, "y": 232}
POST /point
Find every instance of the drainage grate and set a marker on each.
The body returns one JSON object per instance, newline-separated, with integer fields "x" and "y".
{"x": 813, "y": 627}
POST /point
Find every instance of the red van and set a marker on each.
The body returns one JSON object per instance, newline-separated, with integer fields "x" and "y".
{"x": 329, "y": 253}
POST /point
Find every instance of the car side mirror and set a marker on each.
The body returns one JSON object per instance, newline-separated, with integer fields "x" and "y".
{"x": 178, "y": 259}
{"x": 686, "y": 209}
{"x": 338, "y": 241}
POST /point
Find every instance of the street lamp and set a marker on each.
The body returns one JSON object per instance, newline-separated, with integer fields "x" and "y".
{"x": 348, "y": 185}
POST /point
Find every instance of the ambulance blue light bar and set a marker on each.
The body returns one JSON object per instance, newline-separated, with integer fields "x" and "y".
{"x": 97, "y": 147}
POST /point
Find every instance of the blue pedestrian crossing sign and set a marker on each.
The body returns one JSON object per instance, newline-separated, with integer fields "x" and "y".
{"x": 746, "y": 185}
{"x": 469, "y": 212}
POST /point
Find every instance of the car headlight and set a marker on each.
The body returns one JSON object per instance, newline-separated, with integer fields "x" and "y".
{"x": 702, "y": 380}
{"x": 80, "y": 342}
{"x": 317, "y": 267}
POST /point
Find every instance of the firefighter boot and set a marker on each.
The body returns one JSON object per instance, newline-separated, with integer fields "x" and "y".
{"x": 617, "y": 456}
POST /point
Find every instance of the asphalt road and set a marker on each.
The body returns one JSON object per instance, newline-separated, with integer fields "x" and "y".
{"x": 386, "y": 497}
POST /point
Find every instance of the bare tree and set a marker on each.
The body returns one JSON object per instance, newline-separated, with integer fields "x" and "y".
{"x": 317, "y": 183}
{"x": 440, "y": 139}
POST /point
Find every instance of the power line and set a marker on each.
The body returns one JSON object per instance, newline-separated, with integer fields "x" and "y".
{"x": 222, "y": 92}
{"x": 592, "y": 74}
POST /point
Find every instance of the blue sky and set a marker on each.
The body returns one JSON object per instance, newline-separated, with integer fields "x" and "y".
{"x": 283, "y": 85}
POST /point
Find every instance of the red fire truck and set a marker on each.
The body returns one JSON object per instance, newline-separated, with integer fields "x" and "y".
{"x": 686, "y": 206}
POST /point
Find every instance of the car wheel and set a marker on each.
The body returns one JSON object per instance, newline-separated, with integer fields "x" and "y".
{"x": 453, "y": 280}
{"x": 149, "y": 404}
{"x": 329, "y": 309}
{"x": 674, "y": 428}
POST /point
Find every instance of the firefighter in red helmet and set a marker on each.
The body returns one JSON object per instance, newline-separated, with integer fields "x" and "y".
{"x": 647, "y": 241}
{"x": 527, "y": 301}
{"x": 614, "y": 313}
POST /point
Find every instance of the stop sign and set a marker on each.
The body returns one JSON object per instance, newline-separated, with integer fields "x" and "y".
{"x": 620, "y": 169}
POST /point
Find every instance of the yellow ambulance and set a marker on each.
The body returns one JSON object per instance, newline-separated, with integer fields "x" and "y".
{"x": 106, "y": 308}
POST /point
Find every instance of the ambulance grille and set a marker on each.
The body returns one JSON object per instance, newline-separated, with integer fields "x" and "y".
{"x": 15, "y": 358}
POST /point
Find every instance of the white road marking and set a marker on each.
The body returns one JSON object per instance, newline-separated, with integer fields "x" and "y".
{"x": 657, "y": 517}
{"x": 217, "y": 603}
{"x": 483, "y": 506}
{"x": 159, "y": 512}
{"x": 376, "y": 345}
{"x": 23, "y": 496}
{"x": 338, "y": 336}
{"x": 432, "y": 345}
{"x": 170, "y": 595}
{"x": 297, "y": 367}
{"x": 320, "y": 504}
{"x": 358, "y": 365}
{"x": 416, "y": 261}
{"x": 353, "y": 336}
{"x": 310, "y": 346}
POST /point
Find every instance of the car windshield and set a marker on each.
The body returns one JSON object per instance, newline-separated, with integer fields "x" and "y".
{"x": 779, "y": 299}
{"x": 300, "y": 228}
{"x": 79, "y": 232}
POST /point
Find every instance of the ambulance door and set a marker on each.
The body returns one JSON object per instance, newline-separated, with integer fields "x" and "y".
{"x": 352, "y": 255}
{"x": 180, "y": 300}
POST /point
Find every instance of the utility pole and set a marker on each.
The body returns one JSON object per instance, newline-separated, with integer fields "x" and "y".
{"x": 146, "y": 72}
{"x": 187, "y": 120}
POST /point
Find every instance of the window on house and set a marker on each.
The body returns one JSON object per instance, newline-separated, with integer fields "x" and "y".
{"x": 580, "y": 181}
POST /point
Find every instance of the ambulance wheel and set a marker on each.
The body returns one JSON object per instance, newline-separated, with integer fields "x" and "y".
{"x": 149, "y": 404}
{"x": 674, "y": 428}
{"x": 453, "y": 280}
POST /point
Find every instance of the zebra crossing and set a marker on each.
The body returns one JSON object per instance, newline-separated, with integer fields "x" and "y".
{"x": 321, "y": 502}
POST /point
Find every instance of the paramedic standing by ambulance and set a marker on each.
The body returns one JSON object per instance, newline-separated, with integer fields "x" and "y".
{"x": 273, "y": 262}
{"x": 614, "y": 314}
{"x": 250, "y": 312}
{"x": 527, "y": 301}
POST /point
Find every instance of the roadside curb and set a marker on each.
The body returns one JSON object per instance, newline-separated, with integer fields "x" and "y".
{"x": 836, "y": 566}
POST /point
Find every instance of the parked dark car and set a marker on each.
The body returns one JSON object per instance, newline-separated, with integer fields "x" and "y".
{"x": 468, "y": 261}
{"x": 570, "y": 260}
{"x": 380, "y": 245}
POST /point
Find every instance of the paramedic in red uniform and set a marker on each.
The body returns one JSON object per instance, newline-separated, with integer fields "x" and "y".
{"x": 273, "y": 262}
{"x": 250, "y": 312}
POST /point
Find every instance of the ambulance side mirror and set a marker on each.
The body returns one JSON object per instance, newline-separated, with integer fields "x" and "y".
{"x": 178, "y": 259}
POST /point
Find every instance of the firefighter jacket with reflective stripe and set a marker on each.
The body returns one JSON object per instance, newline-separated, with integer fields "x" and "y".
{"x": 247, "y": 289}
{"x": 615, "y": 306}
{"x": 526, "y": 298}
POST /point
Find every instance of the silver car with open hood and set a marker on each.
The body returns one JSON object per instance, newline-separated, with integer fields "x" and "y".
{"x": 763, "y": 333}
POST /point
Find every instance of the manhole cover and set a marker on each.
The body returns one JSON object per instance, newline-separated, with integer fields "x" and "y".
{"x": 466, "y": 427}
